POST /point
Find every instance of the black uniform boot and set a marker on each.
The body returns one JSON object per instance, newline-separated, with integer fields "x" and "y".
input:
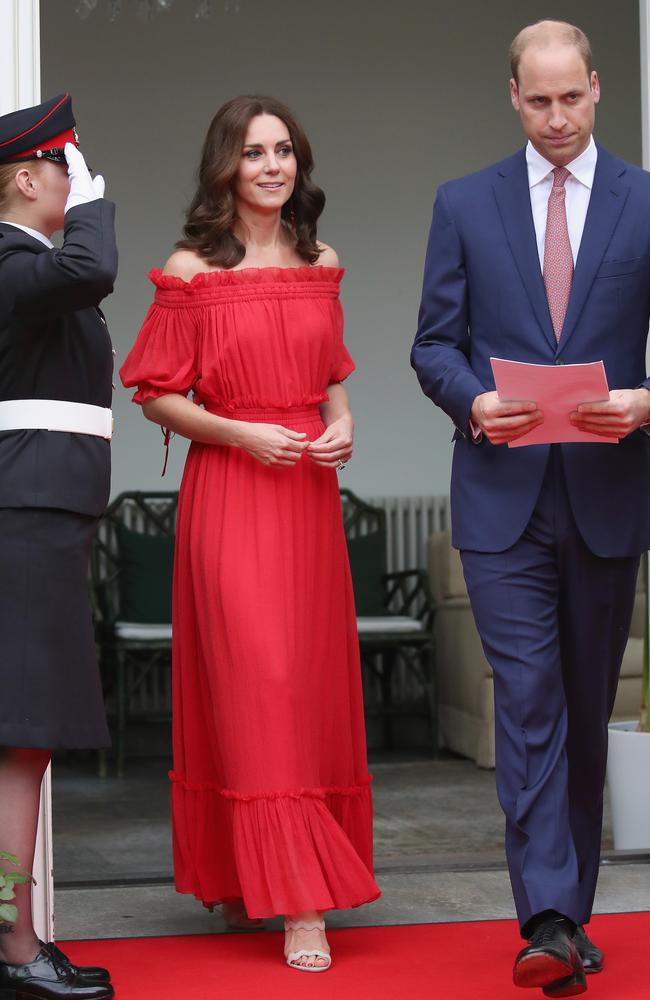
{"x": 47, "y": 977}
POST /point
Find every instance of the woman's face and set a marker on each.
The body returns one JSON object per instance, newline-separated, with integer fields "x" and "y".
{"x": 267, "y": 170}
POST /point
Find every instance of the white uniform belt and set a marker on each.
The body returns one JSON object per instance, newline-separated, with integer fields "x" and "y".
{"x": 56, "y": 415}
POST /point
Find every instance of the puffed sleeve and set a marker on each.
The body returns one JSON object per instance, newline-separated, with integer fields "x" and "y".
{"x": 165, "y": 356}
{"x": 342, "y": 365}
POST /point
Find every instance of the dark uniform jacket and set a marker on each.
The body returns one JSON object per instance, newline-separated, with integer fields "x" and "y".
{"x": 54, "y": 345}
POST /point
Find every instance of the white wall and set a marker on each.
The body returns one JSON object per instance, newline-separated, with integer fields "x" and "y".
{"x": 395, "y": 96}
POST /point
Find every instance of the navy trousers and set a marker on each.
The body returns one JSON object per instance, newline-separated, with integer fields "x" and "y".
{"x": 554, "y": 619}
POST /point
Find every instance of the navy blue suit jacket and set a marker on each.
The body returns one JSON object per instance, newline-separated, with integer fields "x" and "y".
{"x": 483, "y": 296}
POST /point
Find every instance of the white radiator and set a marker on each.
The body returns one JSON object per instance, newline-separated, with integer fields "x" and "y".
{"x": 410, "y": 521}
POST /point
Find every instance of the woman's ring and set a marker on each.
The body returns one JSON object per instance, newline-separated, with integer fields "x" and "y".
{"x": 341, "y": 465}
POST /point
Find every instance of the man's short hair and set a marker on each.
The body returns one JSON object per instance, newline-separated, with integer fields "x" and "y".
{"x": 543, "y": 33}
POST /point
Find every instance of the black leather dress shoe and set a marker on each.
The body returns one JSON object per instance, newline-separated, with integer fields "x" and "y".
{"x": 48, "y": 978}
{"x": 569, "y": 987}
{"x": 94, "y": 973}
{"x": 592, "y": 957}
{"x": 550, "y": 962}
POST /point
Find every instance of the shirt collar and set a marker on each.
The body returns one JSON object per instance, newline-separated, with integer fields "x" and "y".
{"x": 30, "y": 232}
{"x": 582, "y": 168}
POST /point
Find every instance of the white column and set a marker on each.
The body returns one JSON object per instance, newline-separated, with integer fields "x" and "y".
{"x": 644, "y": 32}
{"x": 644, "y": 25}
{"x": 43, "y": 891}
{"x": 20, "y": 87}
{"x": 20, "y": 54}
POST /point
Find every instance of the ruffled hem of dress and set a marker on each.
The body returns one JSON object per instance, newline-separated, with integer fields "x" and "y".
{"x": 246, "y": 275}
{"x": 281, "y": 852}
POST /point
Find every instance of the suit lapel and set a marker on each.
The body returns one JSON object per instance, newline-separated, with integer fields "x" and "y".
{"x": 513, "y": 199}
{"x": 608, "y": 197}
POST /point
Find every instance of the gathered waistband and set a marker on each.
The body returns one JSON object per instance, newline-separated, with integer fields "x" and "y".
{"x": 269, "y": 415}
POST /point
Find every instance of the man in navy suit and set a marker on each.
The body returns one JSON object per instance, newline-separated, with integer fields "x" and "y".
{"x": 545, "y": 258}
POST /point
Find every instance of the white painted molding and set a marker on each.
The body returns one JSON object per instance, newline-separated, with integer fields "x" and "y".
{"x": 20, "y": 54}
{"x": 644, "y": 26}
{"x": 43, "y": 891}
{"x": 20, "y": 87}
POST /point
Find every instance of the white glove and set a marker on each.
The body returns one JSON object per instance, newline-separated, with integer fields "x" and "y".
{"x": 83, "y": 187}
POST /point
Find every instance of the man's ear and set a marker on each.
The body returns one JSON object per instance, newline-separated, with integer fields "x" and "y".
{"x": 24, "y": 179}
{"x": 595, "y": 86}
{"x": 514, "y": 94}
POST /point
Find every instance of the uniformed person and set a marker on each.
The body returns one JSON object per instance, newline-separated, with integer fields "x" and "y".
{"x": 56, "y": 369}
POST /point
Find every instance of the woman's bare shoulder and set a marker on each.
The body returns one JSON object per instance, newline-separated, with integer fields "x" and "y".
{"x": 185, "y": 264}
{"x": 328, "y": 256}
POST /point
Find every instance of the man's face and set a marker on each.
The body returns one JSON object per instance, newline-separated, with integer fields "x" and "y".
{"x": 556, "y": 100}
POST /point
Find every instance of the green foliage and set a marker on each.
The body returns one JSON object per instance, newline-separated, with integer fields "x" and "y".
{"x": 8, "y": 882}
{"x": 8, "y": 913}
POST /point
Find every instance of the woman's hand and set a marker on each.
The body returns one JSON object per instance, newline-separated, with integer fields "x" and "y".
{"x": 272, "y": 444}
{"x": 334, "y": 445}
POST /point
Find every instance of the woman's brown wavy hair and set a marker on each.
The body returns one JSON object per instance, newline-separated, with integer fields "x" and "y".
{"x": 212, "y": 213}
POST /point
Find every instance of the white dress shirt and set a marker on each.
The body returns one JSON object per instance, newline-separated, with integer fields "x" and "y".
{"x": 578, "y": 192}
{"x": 30, "y": 232}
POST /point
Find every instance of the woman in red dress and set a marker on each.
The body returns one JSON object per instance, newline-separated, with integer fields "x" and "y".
{"x": 272, "y": 809}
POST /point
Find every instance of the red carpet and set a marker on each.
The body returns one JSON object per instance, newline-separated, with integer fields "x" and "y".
{"x": 422, "y": 962}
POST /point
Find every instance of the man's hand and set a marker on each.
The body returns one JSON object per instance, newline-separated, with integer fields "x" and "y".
{"x": 504, "y": 421}
{"x": 83, "y": 187}
{"x": 622, "y": 413}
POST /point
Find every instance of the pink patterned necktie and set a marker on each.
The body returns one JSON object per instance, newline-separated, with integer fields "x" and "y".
{"x": 558, "y": 259}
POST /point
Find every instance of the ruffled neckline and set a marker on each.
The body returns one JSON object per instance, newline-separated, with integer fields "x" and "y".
{"x": 247, "y": 275}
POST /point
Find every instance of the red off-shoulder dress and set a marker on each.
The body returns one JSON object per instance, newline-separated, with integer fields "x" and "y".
{"x": 271, "y": 791}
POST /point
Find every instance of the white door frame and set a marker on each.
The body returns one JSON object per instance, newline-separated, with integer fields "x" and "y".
{"x": 20, "y": 87}
{"x": 644, "y": 25}
{"x": 20, "y": 48}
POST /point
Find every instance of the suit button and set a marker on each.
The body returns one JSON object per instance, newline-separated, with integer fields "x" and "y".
{"x": 558, "y": 362}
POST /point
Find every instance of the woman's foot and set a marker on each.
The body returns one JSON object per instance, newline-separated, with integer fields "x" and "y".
{"x": 237, "y": 919}
{"x": 305, "y": 943}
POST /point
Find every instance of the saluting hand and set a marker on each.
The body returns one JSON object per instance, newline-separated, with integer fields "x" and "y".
{"x": 83, "y": 187}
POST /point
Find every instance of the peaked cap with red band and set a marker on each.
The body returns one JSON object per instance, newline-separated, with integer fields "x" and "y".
{"x": 41, "y": 131}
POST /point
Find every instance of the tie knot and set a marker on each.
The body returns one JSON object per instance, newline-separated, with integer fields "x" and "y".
{"x": 560, "y": 175}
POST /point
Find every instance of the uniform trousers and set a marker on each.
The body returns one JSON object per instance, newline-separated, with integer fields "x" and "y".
{"x": 554, "y": 620}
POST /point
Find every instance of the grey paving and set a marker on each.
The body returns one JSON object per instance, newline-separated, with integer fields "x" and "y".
{"x": 438, "y": 844}
{"x": 440, "y": 813}
{"x": 417, "y": 897}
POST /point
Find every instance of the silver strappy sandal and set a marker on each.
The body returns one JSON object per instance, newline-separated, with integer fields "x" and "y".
{"x": 294, "y": 956}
